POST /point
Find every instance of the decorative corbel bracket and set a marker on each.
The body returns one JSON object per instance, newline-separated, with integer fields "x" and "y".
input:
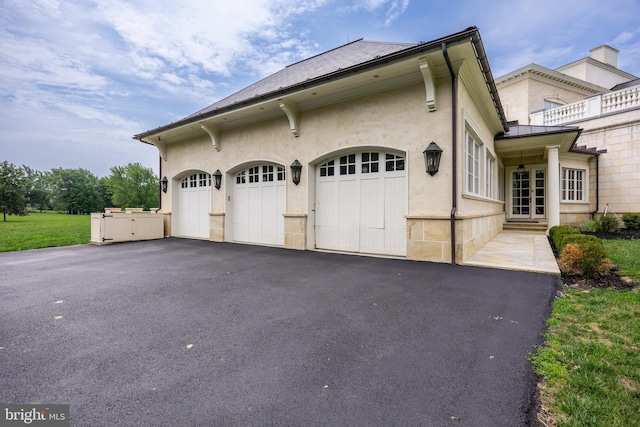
{"x": 428, "y": 75}
{"x": 214, "y": 133}
{"x": 161, "y": 146}
{"x": 291, "y": 110}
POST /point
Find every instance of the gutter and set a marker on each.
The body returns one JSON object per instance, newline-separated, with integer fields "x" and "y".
{"x": 454, "y": 155}
{"x": 488, "y": 77}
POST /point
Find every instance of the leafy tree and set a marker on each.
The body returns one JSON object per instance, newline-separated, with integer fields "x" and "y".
{"x": 77, "y": 191}
{"x": 38, "y": 186}
{"x": 105, "y": 193}
{"x": 12, "y": 190}
{"x": 132, "y": 186}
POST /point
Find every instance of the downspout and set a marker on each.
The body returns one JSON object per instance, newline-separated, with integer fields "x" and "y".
{"x": 454, "y": 156}
{"x": 597, "y": 185}
{"x": 160, "y": 186}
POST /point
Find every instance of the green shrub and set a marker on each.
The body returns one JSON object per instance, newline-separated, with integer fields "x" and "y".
{"x": 586, "y": 258}
{"x": 577, "y": 238}
{"x": 609, "y": 224}
{"x": 556, "y": 228}
{"x": 631, "y": 221}
{"x": 560, "y": 233}
{"x": 594, "y": 260}
{"x": 591, "y": 226}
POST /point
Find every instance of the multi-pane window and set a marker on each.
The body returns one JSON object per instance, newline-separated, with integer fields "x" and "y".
{"x": 370, "y": 162}
{"x": 267, "y": 173}
{"x": 549, "y": 105}
{"x": 204, "y": 180}
{"x": 472, "y": 166}
{"x": 262, "y": 173}
{"x": 365, "y": 163}
{"x": 328, "y": 169}
{"x": 196, "y": 180}
{"x": 394, "y": 163}
{"x": 489, "y": 175}
{"x": 254, "y": 174}
{"x": 348, "y": 164}
{"x": 573, "y": 185}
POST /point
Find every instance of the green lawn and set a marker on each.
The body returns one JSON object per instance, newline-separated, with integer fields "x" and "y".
{"x": 625, "y": 254}
{"x": 43, "y": 230}
{"x": 591, "y": 359}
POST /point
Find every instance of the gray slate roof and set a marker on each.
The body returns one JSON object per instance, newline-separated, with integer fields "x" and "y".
{"x": 518, "y": 131}
{"x": 351, "y": 54}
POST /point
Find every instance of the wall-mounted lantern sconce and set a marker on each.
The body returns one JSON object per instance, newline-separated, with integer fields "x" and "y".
{"x": 432, "y": 156}
{"x": 520, "y": 170}
{"x": 296, "y": 171}
{"x": 217, "y": 179}
{"x": 164, "y": 182}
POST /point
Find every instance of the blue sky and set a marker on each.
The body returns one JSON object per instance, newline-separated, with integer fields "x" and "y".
{"x": 79, "y": 78}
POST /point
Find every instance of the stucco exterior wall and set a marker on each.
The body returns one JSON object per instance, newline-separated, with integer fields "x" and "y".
{"x": 396, "y": 120}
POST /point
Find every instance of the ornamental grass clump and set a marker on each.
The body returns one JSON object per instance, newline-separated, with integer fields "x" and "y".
{"x": 586, "y": 258}
{"x": 591, "y": 226}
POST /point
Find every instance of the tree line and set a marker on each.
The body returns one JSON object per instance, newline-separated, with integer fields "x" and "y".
{"x": 76, "y": 191}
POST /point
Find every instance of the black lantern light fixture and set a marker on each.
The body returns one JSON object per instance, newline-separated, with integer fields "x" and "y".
{"x": 164, "y": 182}
{"x": 217, "y": 179}
{"x": 520, "y": 170}
{"x": 296, "y": 171}
{"x": 432, "y": 156}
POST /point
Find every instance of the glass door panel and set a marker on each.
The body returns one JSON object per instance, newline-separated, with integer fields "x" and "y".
{"x": 520, "y": 187}
{"x": 539, "y": 192}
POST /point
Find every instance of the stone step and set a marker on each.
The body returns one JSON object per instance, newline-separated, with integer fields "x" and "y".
{"x": 537, "y": 227}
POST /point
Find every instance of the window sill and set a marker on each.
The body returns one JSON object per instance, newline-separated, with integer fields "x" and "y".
{"x": 574, "y": 202}
{"x": 481, "y": 198}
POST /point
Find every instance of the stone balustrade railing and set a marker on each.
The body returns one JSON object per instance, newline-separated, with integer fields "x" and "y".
{"x": 589, "y": 108}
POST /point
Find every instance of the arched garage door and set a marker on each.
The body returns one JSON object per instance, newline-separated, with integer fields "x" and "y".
{"x": 361, "y": 203}
{"x": 259, "y": 202}
{"x": 194, "y": 204}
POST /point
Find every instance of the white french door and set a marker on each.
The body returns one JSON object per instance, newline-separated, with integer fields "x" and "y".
{"x": 528, "y": 194}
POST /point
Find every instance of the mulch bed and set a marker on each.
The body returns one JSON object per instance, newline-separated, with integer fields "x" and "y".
{"x": 610, "y": 280}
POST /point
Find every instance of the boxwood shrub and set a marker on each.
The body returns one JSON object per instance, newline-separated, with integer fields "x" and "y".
{"x": 631, "y": 221}
{"x": 559, "y": 233}
{"x": 609, "y": 224}
{"x": 586, "y": 258}
{"x": 579, "y": 239}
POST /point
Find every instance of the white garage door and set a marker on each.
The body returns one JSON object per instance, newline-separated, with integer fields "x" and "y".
{"x": 259, "y": 202}
{"x": 194, "y": 206}
{"x": 361, "y": 203}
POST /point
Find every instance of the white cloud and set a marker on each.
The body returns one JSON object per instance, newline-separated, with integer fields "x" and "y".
{"x": 392, "y": 8}
{"x": 396, "y": 9}
{"x": 548, "y": 32}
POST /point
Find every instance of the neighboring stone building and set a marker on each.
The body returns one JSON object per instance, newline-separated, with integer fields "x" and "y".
{"x": 604, "y": 102}
{"x": 356, "y": 123}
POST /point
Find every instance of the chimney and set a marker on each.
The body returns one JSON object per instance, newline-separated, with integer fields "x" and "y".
{"x": 605, "y": 54}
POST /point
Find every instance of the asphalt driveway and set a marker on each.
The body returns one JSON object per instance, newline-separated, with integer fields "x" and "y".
{"x": 194, "y": 333}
